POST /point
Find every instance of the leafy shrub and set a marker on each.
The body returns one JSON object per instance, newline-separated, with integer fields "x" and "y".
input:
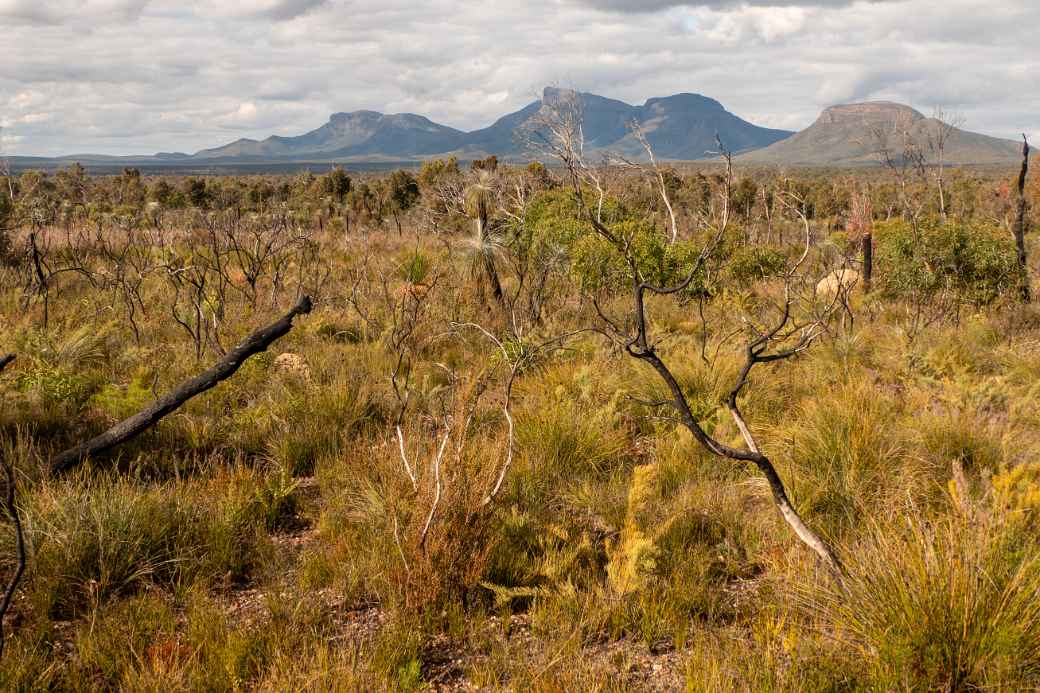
{"x": 753, "y": 263}
{"x": 554, "y": 229}
{"x": 598, "y": 265}
{"x": 974, "y": 265}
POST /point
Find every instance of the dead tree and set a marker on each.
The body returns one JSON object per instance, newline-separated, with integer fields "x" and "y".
{"x": 1020, "y": 222}
{"x": 904, "y": 158}
{"x": 861, "y": 220}
{"x": 767, "y": 345}
{"x": 138, "y": 423}
{"x": 943, "y": 128}
{"x": 11, "y": 509}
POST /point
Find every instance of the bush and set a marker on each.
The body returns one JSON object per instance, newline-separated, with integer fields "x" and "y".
{"x": 971, "y": 265}
{"x": 553, "y": 228}
{"x": 753, "y": 263}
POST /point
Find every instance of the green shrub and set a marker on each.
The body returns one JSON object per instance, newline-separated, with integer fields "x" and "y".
{"x": 553, "y": 228}
{"x": 415, "y": 268}
{"x": 972, "y": 265}
{"x": 752, "y": 263}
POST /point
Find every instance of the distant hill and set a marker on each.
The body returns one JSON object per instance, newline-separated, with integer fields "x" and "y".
{"x": 681, "y": 127}
{"x": 357, "y": 134}
{"x": 845, "y": 135}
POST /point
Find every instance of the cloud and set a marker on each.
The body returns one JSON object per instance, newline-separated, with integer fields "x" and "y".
{"x": 644, "y": 6}
{"x": 54, "y": 12}
{"x": 191, "y": 75}
{"x": 277, "y": 10}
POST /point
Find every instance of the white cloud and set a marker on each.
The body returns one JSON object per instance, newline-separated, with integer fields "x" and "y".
{"x": 131, "y": 76}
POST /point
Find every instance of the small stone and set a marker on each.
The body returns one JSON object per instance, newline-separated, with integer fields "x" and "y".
{"x": 294, "y": 364}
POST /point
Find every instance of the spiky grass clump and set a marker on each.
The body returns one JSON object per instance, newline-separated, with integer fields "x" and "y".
{"x": 96, "y": 539}
{"x": 944, "y": 604}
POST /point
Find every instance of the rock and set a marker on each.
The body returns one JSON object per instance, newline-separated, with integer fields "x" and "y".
{"x": 293, "y": 364}
{"x": 837, "y": 280}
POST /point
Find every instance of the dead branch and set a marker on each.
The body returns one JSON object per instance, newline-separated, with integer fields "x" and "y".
{"x": 130, "y": 428}
{"x": 12, "y": 511}
{"x": 437, "y": 486}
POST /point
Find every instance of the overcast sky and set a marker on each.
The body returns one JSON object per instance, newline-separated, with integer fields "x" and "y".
{"x": 141, "y": 76}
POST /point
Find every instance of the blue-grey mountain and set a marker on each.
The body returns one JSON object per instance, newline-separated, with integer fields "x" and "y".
{"x": 683, "y": 126}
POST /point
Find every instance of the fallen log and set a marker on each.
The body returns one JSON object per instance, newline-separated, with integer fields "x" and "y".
{"x": 138, "y": 423}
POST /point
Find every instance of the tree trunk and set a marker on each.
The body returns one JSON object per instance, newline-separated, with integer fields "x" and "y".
{"x": 138, "y": 423}
{"x": 868, "y": 262}
{"x": 1020, "y": 222}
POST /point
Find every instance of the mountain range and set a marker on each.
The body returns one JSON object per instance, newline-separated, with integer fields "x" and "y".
{"x": 679, "y": 127}
{"x": 682, "y": 127}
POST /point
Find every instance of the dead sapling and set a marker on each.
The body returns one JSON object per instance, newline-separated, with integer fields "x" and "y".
{"x": 1020, "y": 224}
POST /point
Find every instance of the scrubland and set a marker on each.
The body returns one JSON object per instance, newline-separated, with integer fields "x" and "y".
{"x": 452, "y": 474}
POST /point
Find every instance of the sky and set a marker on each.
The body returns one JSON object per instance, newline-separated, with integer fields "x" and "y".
{"x": 143, "y": 76}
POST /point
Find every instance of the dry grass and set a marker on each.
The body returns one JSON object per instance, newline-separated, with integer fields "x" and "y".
{"x": 268, "y": 537}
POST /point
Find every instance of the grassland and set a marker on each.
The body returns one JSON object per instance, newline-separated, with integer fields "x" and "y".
{"x": 330, "y": 517}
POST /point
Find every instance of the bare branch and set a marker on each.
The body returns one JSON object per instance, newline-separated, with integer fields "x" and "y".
{"x": 404, "y": 460}
{"x": 437, "y": 488}
{"x": 138, "y": 423}
{"x": 1020, "y": 222}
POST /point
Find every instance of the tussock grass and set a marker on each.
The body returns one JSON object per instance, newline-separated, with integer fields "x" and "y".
{"x": 940, "y": 604}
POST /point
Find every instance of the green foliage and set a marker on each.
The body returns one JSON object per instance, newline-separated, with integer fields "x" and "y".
{"x": 749, "y": 264}
{"x": 402, "y": 191}
{"x": 974, "y": 265}
{"x": 119, "y": 402}
{"x": 196, "y": 192}
{"x": 598, "y": 265}
{"x": 553, "y": 226}
{"x": 415, "y": 268}
{"x": 336, "y": 183}
{"x": 434, "y": 172}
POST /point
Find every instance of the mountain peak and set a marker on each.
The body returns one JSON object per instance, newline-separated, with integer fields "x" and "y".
{"x": 550, "y": 93}
{"x": 847, "y": 134}
{"x": 869, "y": 111}
{"x": 685, "y": 101}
